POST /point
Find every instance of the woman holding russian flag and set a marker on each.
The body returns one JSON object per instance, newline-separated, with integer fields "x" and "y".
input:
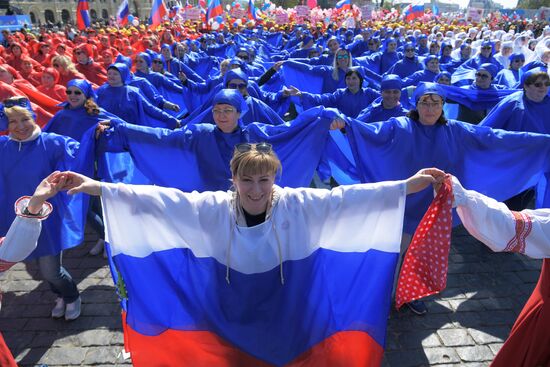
{"x": 259, "y": 275}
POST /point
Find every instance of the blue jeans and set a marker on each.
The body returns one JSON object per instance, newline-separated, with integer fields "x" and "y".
{"x": 95, "y": 217}
{"x": 58, "y": 278}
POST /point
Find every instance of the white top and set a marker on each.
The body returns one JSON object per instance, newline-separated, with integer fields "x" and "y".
{"x": 22, "y": 237}
{"x": 492, "y": 223}
{"x": 140, "y": 220}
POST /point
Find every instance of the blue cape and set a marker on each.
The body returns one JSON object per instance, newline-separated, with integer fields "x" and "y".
{"x": 482, "y": 159}
{"x": 197, "y": 157}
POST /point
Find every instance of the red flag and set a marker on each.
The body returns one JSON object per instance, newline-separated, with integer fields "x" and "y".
{"x": 424, "y": 270}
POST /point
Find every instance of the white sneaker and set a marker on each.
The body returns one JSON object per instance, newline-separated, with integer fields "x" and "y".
{"x": 72, "y": 311}
{"x": 59, "y": 310}
{"x": 98, "y": 247}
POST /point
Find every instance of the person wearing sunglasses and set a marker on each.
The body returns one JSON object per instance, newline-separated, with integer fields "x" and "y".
{"x": 128, "y": 103}
{"x": 408, "y": 65}
{"x": 28, "y": 154}
{"x": 350, "y": 101}
{"x": 85, "y": 64}
{"x": 145, "y": 86}
{"x": 174, "y": 66}
{"x": 265, "y": 107}
{"x": 510, "y": 77}
{"x": 465, "y": 72}
{"x": 484, "y": 77}
{"x": 78, "y": 119}
{"x": 526, "y": 110}
{"x": 201, "y": 151}
{"x": 168, "y": 87}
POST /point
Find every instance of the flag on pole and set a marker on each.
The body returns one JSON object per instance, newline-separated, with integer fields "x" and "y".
{"x": 343, "y": 5}
{"x": 213, "y": 10}
{"x": 414, "y": 10}
{"x": 122, "y": 13}
{"x": 251, "y": 10}
{"x": 83, "y": 14}
{"x": 158, "y": 12}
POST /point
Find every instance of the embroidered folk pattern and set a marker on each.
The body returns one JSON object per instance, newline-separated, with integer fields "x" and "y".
{"x": 524, "y": 225}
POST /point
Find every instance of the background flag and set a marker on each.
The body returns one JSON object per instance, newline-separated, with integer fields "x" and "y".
{"x": 122, "y": 13}
{"x": 82, "y": 14}
{"x": 158, "y": 12}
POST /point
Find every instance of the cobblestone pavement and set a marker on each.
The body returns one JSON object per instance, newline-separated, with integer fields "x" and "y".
{"x": 466, "y": 324}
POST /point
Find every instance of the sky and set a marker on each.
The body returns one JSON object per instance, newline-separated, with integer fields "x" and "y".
{"x": 507, "y": 4}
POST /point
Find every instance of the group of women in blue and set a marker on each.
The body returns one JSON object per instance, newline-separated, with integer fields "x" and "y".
{"x": 138, "y": 142}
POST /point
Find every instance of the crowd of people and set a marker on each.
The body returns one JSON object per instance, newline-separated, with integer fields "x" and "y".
{"x": 257, "y": 108}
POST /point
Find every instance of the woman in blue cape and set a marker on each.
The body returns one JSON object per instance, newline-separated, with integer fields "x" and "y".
{"x": 257, "y": 109}
{"x": 431, "y": 63}
{"x": 145, "y": 87}
{"x": 510, "y": 77}
{"x": 526, "y": 110}
{"x": 168, "y": 86}
{"x": 29, "y": 155}
{"x": 126, "y": 102}
{"x": 465, "y": 72}
{"x": 175, "y": 66}
{"x": 196, "y": 157}
{"x": 389, "y": 105}
{"x": 382, "y": 61}
{"x": 350, "y": 101}
{"x": 408, "y": 65}
{"x": 325, "y": 79}
{"x": 464, "y": 55}
{"x": 485, "y": 158}
{"x": 445, "y": 53}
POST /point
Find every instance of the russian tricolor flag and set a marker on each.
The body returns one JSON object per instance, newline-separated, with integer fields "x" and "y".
{"x": 343, "y": 5}
{"x": 414, "y": 10}
{"x": 83, "y": 14}
{"x": 251, "y": 10}
{"x": 309, "y": 286}
{"x": 122, "y": 13}
{"x": 158, "y": 12}
{"x": 213, "y": 9}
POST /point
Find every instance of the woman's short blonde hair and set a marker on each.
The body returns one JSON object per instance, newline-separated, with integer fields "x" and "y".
{"x": 254, "y": 162}
{"x": 65, "y": 63}
{"x": 18, "y": 109}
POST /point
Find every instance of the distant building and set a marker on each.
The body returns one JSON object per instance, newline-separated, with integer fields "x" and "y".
{"x": 64, "y": 11}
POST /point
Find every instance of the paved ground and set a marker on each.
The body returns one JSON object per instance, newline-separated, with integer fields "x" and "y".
{"x": 466, "y": 325}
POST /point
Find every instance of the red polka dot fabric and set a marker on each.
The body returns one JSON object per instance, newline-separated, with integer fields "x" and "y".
{"x": 424, "y": 270}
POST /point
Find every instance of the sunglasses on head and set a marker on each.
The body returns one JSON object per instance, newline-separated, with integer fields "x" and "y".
{"x": 541, "y": 84}
{"x": 260, "y": 147}
{"x": 76, "y": 92}
{"x": 236, "y": 85}
{"x": 482, "y": 75}
{"x": 11, "y": 102}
